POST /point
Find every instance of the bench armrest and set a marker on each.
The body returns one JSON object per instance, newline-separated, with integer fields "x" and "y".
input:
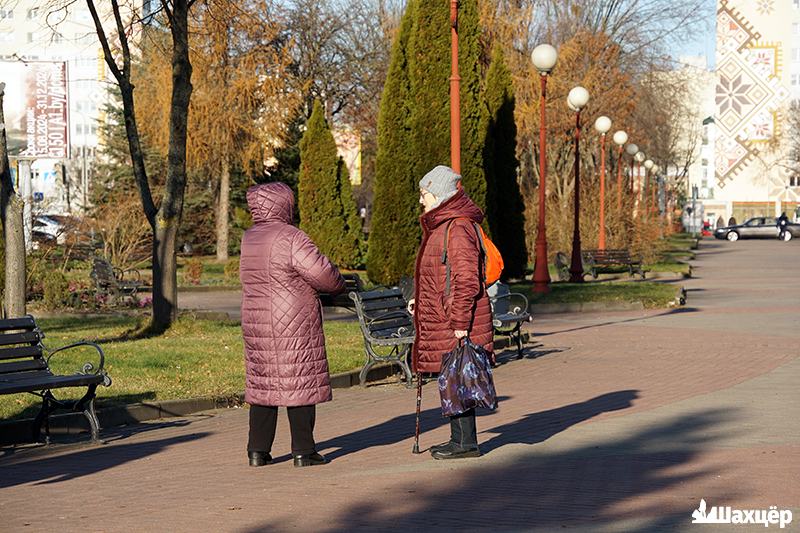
{"x": 513, "y": 298}
{"x": 87, "y": 367}
{"x": 120, "y": 274}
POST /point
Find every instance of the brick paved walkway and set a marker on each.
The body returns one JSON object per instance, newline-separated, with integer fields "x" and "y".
{"x": 617, "y": 422}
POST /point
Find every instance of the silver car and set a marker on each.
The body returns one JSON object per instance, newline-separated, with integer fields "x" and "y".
{"x": 757, "y": 228}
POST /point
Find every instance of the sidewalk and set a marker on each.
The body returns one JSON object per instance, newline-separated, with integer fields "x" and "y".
{"x": 613, "y": 422}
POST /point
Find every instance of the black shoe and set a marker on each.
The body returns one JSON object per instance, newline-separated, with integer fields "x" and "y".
{"x": 456, "y": 452}
{"x": 259, "y": 458}
{"x": 442, "y": 446}
{"x": 309, "y": 460}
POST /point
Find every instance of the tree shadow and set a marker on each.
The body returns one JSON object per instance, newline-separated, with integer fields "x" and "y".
{"x": 84, "y": 461}
{"x": 624, "y": 483}
{"x": 534, "y": 428}
{"x": 675, "y": 311}
{"x": 532, "y": 351}
{"x": 102, "y": 402}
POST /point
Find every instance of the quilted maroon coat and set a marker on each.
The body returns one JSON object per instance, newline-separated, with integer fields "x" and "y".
{"x": 282, "y": 271}
{"x": 438, "y": 316}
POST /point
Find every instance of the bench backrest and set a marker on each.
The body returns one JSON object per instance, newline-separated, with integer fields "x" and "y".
{"x": 382, "y": 313}
{"x": 608, "y": 256}
{"x": 103, "y": 272}
{"x": 352, "y": 283}
{"x": 20, "y": 348}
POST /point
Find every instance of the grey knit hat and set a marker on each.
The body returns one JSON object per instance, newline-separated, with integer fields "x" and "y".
{"x": 442, "y": 182}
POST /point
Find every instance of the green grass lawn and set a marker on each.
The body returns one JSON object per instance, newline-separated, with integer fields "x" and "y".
{"x": 652, "y": 295}
{"x": 195, "y": 358}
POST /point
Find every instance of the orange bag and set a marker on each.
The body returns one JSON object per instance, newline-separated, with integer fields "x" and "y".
{"x": 492, "y": 260}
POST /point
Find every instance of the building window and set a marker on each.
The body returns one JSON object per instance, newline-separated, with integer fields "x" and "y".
{"x": 704, "y": 162}
{"x": 794, "y": 181}
{"x": 705, "y": 175}
{"x": 6, "y": 13}
{"x": 30, "y": 37}
{"x": 796, "y": 4}
{"x": 86, "y": 106}
{"x": 796, "y": 54}
{"x": 33, "y": 13}
{"x": 795, "y": 80}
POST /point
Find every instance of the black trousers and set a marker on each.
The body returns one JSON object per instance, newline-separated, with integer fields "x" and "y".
{"x": 264, "y": 421}
{"x": 463, "y": 430}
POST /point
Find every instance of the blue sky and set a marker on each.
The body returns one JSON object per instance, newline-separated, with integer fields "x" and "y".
{"x": 704, "y": 41}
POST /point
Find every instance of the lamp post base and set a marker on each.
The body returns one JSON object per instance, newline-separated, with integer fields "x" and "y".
{"x": 541, "y": 274}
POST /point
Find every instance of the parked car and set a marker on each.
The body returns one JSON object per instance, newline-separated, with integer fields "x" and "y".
{"x": 757, "y": 228}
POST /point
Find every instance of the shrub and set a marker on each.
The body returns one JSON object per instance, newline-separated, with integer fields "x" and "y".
{"x": 232, "y": 270}
{"x": 193, "y": 271}
{"x": 56, "y": 289}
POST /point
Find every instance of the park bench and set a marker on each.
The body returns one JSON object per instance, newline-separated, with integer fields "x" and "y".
{"x": 387, "y": 326}
{"x": 25, "y": 367}
{"x": 595, "y": 261}
{"x": 509, "y": 311}
{"x": 352, "y": 283}
{"x": 112, "y": 282}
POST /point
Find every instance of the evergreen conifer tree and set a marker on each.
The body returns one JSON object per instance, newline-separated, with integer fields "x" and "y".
{"x": 327, "y": 210}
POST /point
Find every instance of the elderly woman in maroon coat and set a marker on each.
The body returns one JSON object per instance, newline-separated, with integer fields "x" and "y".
{"x": 442, "y": 317}
{"x": 282, "y": 271}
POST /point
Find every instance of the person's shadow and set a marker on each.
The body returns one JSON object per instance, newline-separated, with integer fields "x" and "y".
{"x": 538, "y": 427}
{"x": 531, "y": 429}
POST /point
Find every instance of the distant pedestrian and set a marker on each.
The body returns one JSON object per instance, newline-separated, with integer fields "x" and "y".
{"x": 282, "y": 271}
{"x": 783, "y": 221}
{"x": 446, "y": 310}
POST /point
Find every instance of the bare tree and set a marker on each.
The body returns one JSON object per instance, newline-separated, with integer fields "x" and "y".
{"x": 164, "y": 217}
{"x": 11, "y": 208}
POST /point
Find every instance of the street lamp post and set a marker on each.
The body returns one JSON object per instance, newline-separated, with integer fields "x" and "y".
{"x": 657, "y": 189}
{"x": 632, "y": 150}
{"x": 648, "y": 165}
{"x": 576, "y": 100}
{"x": 620, "y": 138}
{"x": 455, "y": 98}
{"x": 602, "y": 125}
{"x": 639, "y": 157}
{"x": 544, "y": 58}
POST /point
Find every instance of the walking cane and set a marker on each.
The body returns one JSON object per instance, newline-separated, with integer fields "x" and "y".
{"x": 419, "y": 404}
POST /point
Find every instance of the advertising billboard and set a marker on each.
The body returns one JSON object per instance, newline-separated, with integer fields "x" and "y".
{"x": 36, "y": 108}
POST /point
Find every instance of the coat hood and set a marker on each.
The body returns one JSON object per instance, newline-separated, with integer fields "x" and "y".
{"x": 271, "y": 202}
{"x": 459, "y": 206}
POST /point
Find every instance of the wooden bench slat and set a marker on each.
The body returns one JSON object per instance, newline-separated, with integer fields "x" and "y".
{"x": 384, "y": 305}
{"x": 20, "y": 351}
{"x": 23, "y": 366}
{"x": 391, "y": 324}
{"x": 380, "y": 294}
{"x": 17, "y": 323}
{"x": 27, "y": 337}
{"x": 39, "y": 382}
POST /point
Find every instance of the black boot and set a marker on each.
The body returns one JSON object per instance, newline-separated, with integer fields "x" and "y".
{"x": 442, "y": 446}
{"x": 454, "y": 451}
{"x": 259, "y": 458}
{"x": 309, "y": 460}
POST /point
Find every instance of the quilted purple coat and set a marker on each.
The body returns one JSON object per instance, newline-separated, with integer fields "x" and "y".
{"x": 282, "y": 271}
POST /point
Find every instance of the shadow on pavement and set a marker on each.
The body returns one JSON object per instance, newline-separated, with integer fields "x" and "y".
{"x": 606, "y": 485}
{"x": 538, "y": 427}
{"x": 83, "y": 461}
{"x": 675, "y": 311}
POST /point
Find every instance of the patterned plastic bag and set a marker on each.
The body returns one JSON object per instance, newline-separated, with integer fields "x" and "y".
{"x": 465, "y": 380}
